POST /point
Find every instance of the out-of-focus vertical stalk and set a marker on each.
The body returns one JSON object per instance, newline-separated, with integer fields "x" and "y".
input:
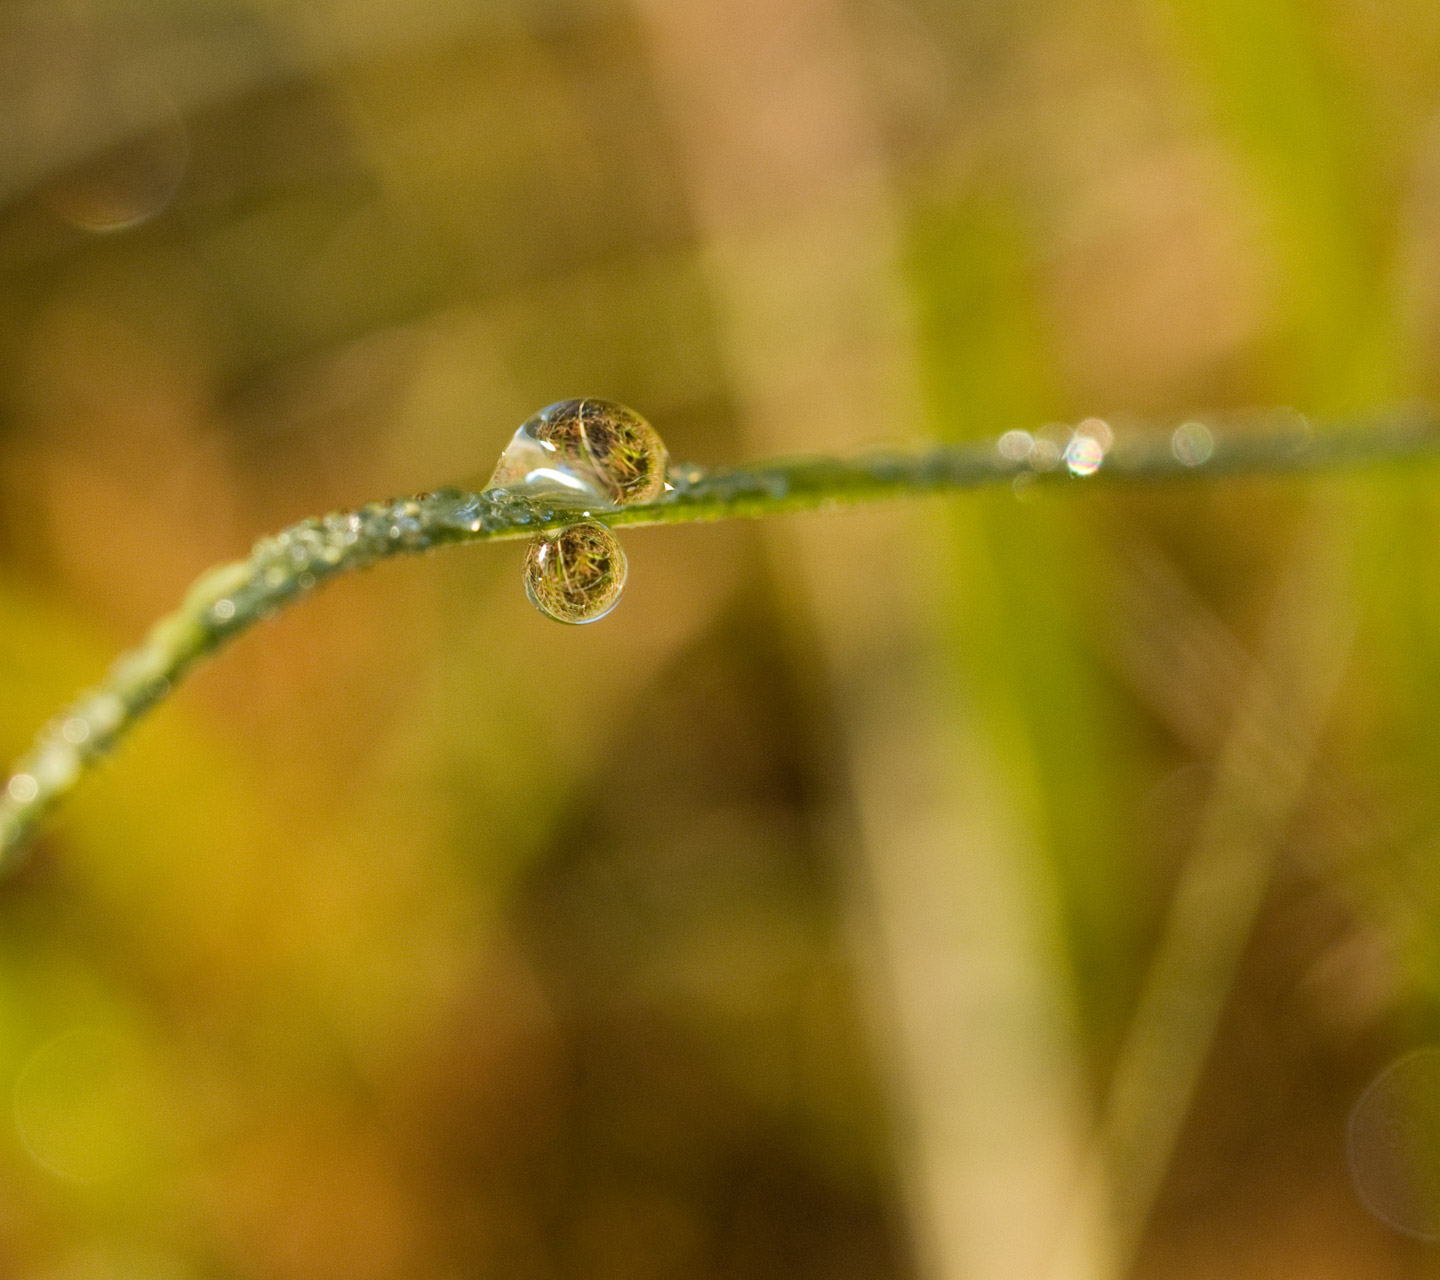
{"x": 1262, "y": 766}
{"x": 972, "y": 1012}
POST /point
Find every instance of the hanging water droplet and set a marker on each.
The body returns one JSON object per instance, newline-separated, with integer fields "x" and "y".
{"x": 584, "y": 455}
{"x": 575, "y": 574}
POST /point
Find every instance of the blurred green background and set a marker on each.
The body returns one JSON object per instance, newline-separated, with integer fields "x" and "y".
{"x": 1021, "y": 886}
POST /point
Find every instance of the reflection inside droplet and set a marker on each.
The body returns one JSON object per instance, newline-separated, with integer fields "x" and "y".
{"x": 1394, "y": 1144}
{"x": 1192, "y": 444}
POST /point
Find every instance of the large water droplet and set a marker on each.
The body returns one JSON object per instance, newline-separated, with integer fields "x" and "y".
{"x": 584, "y": 455}
{"x": 575, "y": 574}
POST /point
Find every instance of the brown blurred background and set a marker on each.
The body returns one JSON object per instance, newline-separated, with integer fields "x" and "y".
{"x": 995, "y": 888}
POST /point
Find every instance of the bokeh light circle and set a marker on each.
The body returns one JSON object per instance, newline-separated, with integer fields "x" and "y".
{"x": 73, "y": 1105}
{"x": 1394, "y": 1144}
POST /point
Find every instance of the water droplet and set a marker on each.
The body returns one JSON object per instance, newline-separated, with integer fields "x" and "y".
{"x": 1097, "y": 429}
{"x": 452, "y": 509}
{"x": 1394, "y": 1144}
{"x": 1015, "y": 446}
{"x": 777, "y": 485}
{"x": 53, "y": 767}
{"x": 1085, "y": 450}
{"x": 139, "y": 668}
{"x": 1192, "y": 444}
{"x": 686, "y": 476}
{"x": 23, "y": 788}
{"x": 223, "y": 610}
{"x": 75, "y": 730}
{"x": 576, "y": 574}
{"x": 584, "y": 454}
{"x": 1049, "y": 447}
{"x": 104, "y": 712}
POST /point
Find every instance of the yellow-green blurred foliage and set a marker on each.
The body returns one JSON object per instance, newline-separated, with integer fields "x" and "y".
{"x": 420, "y": 937}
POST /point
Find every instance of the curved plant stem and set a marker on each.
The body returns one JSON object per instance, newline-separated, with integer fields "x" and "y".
{"x": 229, "y": 599}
